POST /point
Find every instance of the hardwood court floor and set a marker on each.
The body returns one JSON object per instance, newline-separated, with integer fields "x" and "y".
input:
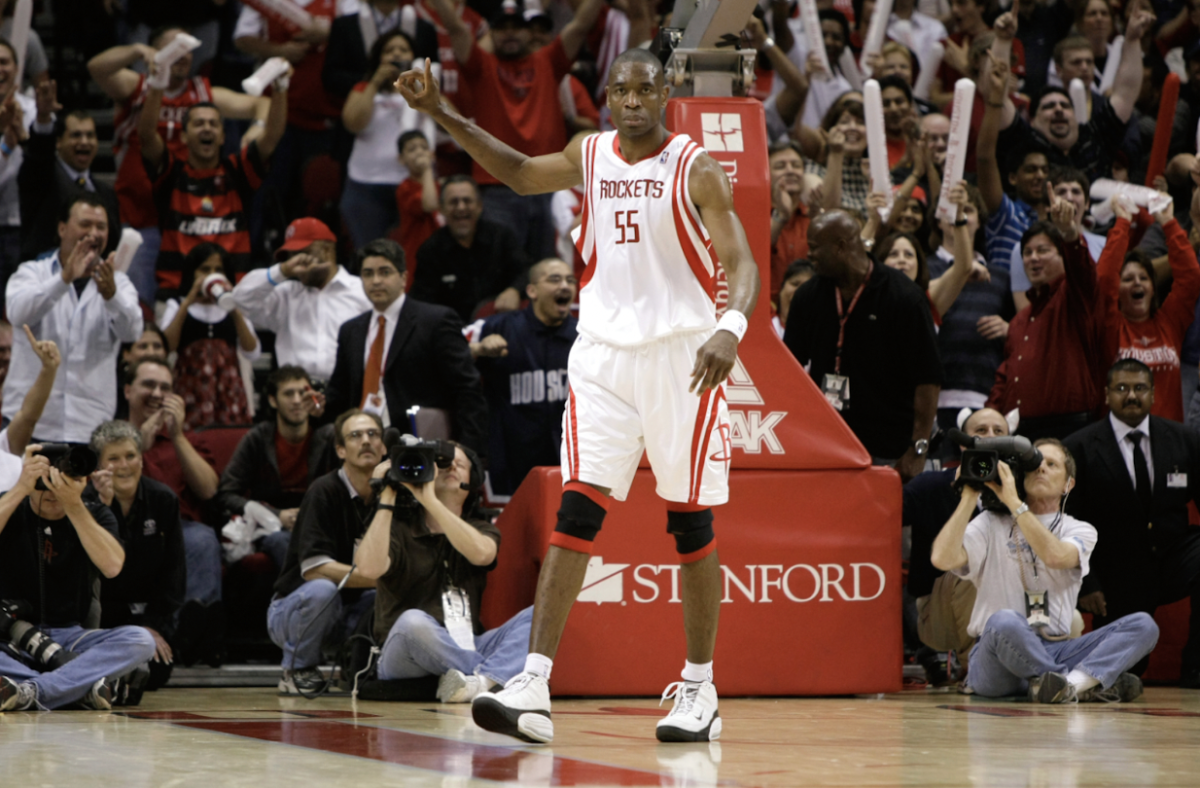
{"x": 250, "y": 737}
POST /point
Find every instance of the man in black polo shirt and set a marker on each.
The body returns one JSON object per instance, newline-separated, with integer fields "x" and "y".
{"x": 150, "y": 589}
{"x": 54, "y": 546}
{"x": 431, "y": 559}
{"x": 333, "y": 516}
{"x": 864, "y": 333}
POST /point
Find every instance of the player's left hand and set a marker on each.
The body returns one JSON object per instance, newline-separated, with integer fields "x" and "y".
{"x": 714, "y": 361}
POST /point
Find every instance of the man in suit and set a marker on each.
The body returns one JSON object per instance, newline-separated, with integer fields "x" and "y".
{"x": 405, "y": 352}
{"x": 57, "y": 168}
{"x": 1136, "y": 495}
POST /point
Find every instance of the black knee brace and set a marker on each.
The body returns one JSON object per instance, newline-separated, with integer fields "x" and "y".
{"x": 579, "y": 520}
{"x": 693, "y": 532}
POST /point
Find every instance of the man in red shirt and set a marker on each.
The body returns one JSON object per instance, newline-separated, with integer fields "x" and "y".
{"x": 204, "y": 197}
{"x": 1050, "y": 370}
{"x": 514, "y": 95}
{"x": 127, "y": 88}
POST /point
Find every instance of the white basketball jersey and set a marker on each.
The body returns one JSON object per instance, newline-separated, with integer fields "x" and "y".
{"x": 650, "y": 268}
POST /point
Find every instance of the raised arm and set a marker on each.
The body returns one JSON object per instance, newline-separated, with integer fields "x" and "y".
{"x": 1128, "y": 82}
{"x": 276, "y": 117}
{"x": 1180, "y": 303}
{"x": 153, "y": 147}
{"x": 948, "y": 550}
{"x": 996, "y": 108}
{"x": 460, "y": 34}
{"x": 1112, "y": 259}
{"x": 946, "y": 288}
{"x": 112, "y": 72}
{"x": 20, "y": 429}
{"x": 524, "y": 174}
{"x": 576, "y": 31}
{"x": 373, "y": 556}
{"x": 709, "y": 190}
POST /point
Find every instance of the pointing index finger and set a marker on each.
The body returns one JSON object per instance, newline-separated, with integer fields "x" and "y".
{"x": 29, "y": 334}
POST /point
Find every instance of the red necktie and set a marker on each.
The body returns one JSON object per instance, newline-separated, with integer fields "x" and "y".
{"x": 374, "y": 371}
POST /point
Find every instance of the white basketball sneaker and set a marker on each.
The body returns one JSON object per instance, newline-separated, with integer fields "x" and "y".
{"x": 694, "y": 717}
{"x": 457, "y": 687}
{"x": 521, "y": 709}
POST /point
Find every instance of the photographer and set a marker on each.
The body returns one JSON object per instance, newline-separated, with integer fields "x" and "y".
{"x": 53, "y": 547}
{"x": 333, "y": 516}
{"x": 431, "y": 560}
{"x": 1027, "y": 560}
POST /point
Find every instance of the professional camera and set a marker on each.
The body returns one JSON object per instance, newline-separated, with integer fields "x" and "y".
{"x": 74, "y": 461}
{"x": 25, "y": 637}
{"x": 414, "y": 461}
{"x": 981, "y": 460}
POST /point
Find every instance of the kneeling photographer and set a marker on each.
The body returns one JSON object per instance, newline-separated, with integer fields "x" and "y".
{"x": 1027, "y": 560}
{"x": 431, "y": 547}
{"x": 54, "y": 547}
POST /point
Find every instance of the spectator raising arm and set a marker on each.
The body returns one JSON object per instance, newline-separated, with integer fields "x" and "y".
{"x": 998, "y": 108}
{"x": 945, "y": 289}
{"x": 112, "y": 72}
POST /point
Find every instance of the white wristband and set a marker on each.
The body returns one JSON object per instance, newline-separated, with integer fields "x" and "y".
{"x": 734, "y": 322}
{"x": 1020, "y": 510}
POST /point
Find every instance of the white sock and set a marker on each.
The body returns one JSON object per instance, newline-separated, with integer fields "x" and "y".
{"x": 1081, "y": 680}
{"x": 697, "y": 672}
{"x": 539, "y": 664}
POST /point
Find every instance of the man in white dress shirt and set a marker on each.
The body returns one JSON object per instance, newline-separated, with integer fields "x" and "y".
{"x": 304, "y": 299}
{"x": 76, "y": 299}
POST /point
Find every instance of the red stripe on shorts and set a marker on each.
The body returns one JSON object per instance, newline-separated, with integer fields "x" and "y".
{"x": 699, "y": 445}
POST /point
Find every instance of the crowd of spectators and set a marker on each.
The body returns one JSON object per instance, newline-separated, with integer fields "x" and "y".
{"x": 330, "y": 228}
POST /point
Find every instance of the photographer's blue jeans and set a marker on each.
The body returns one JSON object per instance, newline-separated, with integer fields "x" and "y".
{"x": 418, "y": 645}
{"x": 102, "y": 653}
{"x": 202, "y": 555}
{"x": 299, "y": 622}
{"x": 1010, "y": 653}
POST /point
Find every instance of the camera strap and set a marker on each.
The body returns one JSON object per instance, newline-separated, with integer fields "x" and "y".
{"x": 1037, "y": 603}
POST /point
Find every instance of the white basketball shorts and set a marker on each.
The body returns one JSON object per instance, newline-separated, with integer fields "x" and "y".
{"x": 626, "y": 400}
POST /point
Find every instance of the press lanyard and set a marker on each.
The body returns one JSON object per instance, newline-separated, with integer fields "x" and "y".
{"x": 842, "y": 318}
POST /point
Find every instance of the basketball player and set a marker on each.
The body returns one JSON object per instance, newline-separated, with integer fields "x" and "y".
{"x": 658, "y": 215}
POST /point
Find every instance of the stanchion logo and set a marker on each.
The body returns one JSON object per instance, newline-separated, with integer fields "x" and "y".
{"x": 750, "y": 583}
{"x": 722, "y": 131}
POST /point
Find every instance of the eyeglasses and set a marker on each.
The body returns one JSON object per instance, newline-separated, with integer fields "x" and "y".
{"x": 357, "y": 435}
{"x": 1124, "y": 388}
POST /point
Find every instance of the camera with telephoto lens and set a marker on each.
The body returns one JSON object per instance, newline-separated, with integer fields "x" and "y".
{"x": 25, "y": 637}
{"x": 75, "y": 461}
{"x": 981, "y": 460}
{"x": 414, "y": 461}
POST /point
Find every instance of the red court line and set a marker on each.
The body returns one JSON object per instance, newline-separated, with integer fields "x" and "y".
{"x": 188, "y": 716}
{"x": 998, "y": 711}
{"x": 445, "y": 756}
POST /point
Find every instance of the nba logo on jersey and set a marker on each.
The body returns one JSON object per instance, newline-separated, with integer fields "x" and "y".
{"x": 722, "y": 131}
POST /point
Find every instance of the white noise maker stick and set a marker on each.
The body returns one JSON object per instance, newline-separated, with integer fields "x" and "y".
{"x": 285, "y": 12}
{"x": 160, "y": 71}
{"x": 1079, "y": 99}
{"x": 812, "y": 32}
{"x": 877, "y": 153}
{"x": 1141, "y": 196}
{"x": 956, "y": 151}
{"x": 929, "y": 70}
{"x": 875, "y": 33}
{"x": 22, "y": 18}
{"x": 268, "y": 72}
{"x": 131, "y": 241}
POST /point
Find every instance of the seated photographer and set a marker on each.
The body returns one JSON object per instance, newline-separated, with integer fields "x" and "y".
{"x": 309, "y": 602}
{"x": 53, "y": 546}
{"x": 431, "y": 557}
{"x": 277, "y": 460}
{"x": 149, "y": 590}
{"x": 944, "y": 600}
{"x": 1027, "y": 560}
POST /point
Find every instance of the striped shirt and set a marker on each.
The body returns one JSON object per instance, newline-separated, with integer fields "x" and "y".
{"x": 195, "y": 206}
{"x": 1005, "y": 227}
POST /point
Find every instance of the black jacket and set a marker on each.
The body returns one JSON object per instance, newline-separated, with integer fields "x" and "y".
{"x": 253, "y": 472}
{"x": 330, "y": 521}
{"x": 154, "y": 574}
{"x": 45, "y": 186}
{"x": 428, "y": 364}
{"x": 1130, "y": 547}
{"x": 346, "y": 55}
{"x": 452, "y": 275}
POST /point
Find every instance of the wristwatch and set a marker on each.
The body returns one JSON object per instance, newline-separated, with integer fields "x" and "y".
{"x": 1020, "y": 510}
{"x": 920, "y": 447}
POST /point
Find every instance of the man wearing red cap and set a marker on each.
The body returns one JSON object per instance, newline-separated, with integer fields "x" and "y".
{"x": 304, "y": 298}
{"x": 205, "y": 196}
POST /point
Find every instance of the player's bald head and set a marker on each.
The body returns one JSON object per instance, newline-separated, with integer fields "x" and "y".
{"x": 637, "y": 56}
{"x": 834, "y": 226}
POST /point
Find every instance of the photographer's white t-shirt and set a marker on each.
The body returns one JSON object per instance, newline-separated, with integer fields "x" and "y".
{"x": 10, "y": 464}
{"x": 996, "y": 554}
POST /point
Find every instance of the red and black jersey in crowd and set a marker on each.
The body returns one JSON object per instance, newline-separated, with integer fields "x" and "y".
{"x": 197, "y": 205}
